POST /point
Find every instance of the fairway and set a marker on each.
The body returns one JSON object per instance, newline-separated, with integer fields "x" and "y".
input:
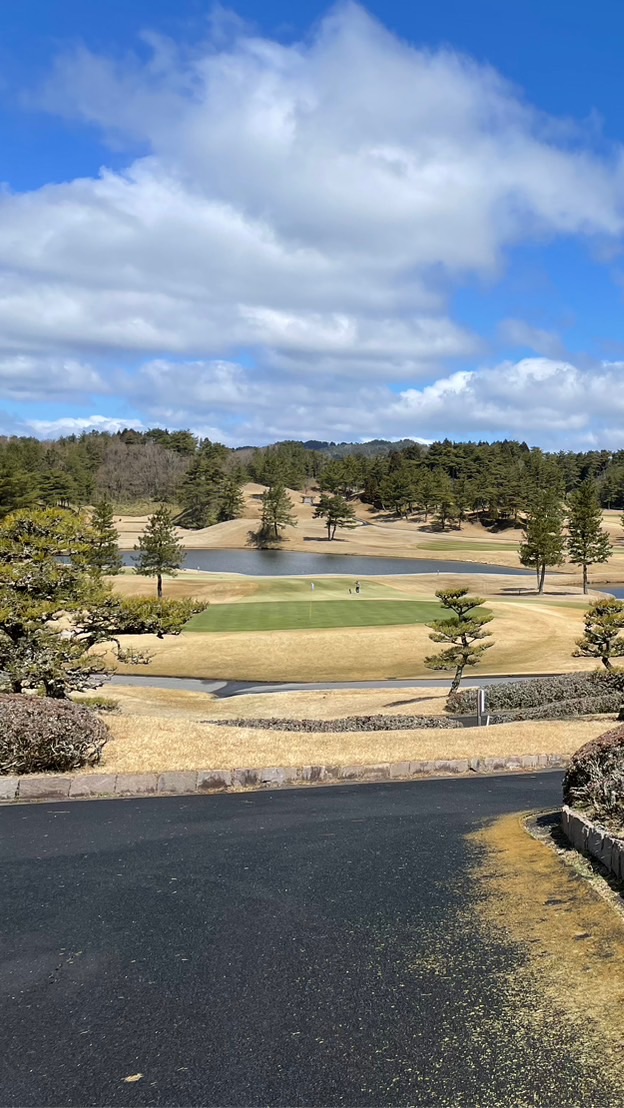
{"x": 299, "y": 615}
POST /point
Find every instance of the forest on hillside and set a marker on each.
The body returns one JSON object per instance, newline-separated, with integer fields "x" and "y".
{"x": 202, "y": 480}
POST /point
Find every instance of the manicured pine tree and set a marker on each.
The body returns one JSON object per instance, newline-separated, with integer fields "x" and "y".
{"x": 158, "y": 549}
{"x": 604, "y": 620}
{"x": 463, "y": 632}
{"x": 103, "y": 555}
{"x": 587, "y": 543}
{"x": 544, "y": 542}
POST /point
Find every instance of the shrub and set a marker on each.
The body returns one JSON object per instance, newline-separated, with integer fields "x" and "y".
{"x": 541, "y": 691}
{"x": 39, "y": 734}
{"x": 99, "y": 703}
{"x": 561, "y": 709}
{"x": 594, "y": 779}
{"x": 349, "y": 723}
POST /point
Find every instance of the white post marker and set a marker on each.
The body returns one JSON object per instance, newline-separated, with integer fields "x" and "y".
{"x": 480, "y": 706}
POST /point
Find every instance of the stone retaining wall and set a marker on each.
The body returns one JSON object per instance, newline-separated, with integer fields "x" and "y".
{"x": 592, "y": 839}
{"x": 51, "y": 786}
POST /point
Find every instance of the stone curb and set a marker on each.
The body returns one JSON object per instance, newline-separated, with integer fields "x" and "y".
{"x": 592, "y": 839}
{"x": 188, "y": 782}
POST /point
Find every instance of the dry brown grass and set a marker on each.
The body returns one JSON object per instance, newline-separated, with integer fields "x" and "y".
{"x": 528, "y": 638}
{"x": 143, "y": 744}
{"x": 166, "y": 703}
{"x": 214, "y": 589}
{"x": 332, "y": 704}
{"x": 572, "y": 939}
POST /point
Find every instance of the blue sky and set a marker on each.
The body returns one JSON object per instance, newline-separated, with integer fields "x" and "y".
{"x": 310, "y": 220}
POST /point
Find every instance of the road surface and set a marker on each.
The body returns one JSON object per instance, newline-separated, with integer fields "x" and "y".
{"x": 313, "y": 947}
{"x": 225, "y": 689}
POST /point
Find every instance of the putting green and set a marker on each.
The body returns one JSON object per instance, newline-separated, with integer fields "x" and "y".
{"x": 298, "y": 615}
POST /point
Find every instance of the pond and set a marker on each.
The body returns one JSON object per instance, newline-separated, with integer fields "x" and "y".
{"x": 280, "y": 563}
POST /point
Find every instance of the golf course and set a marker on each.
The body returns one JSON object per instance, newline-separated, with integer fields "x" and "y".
{"x": 356, "y": 609}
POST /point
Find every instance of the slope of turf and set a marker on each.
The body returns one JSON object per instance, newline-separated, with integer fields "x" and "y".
{"x": 299, "y": 615}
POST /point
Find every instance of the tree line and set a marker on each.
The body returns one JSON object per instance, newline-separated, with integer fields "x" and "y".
{"x": 445, "y": 481}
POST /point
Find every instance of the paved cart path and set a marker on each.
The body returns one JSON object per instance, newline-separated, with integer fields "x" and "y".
{"x": 313, "y": 947}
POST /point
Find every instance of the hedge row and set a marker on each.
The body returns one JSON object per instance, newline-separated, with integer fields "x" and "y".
{"x": 350, "y": 723}
{"x": 561, "y": 709}
{"x": 607, "y": 689}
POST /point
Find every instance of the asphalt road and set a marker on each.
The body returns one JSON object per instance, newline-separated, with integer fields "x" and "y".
{"x": 313, "y": 947}
{"x": 225, "y": 689}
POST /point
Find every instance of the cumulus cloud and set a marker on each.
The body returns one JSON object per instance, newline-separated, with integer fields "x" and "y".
{"x": 68, "y": 425}
{"x": 320, "y": 224}
{"x": 536, "y": 399}
{"x": 25, "y": 377}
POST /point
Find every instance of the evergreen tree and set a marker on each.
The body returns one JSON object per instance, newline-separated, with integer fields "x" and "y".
{"x": 44, "y": 555}
{"x": 336, "y": 513}
{"x": 158, "y": 549}
{"x": 588, "y": 544}
{"x": 277, "y": 511}
{"x": 18, "y": 489}
{"x": 103, "y": 555}
{"x": 201, "y": 490}
{"x": 544, "y": 541}
{"x": 230, "y": 502}
{"x": 446, "y": 508}
{"x": 604, "y": 619}
{"x": 462, "y": 632}
{"x": 426, "y": 493}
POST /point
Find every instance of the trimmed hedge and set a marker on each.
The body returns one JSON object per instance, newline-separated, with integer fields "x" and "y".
{"x": 561, "y": 709}
{"x": 594, "y": 779}
{"x": 38, "y": 734}
{"x": 584, "y": 692}
{"x": 349, "y": 723}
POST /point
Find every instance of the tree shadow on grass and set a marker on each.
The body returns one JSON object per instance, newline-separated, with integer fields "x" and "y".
{"x": 410, "y": 700}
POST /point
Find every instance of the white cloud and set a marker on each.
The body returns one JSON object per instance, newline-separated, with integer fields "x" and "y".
{"x": 318, "y": 222}
{"x": 67, "y": 425}
{"x": 24, "y": 377}
{"x": 536, "y": 399}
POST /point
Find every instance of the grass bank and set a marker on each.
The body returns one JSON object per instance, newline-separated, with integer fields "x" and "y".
{"x": 159, "y": 730}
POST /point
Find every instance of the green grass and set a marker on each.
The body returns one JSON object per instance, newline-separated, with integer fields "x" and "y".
{"x": 298, "y": 615}
{"x": 325, "y": 588}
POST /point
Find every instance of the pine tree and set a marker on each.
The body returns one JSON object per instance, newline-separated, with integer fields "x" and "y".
{"x": 277, "y": 511}
{"x": 604, "y": 620}
{"x": 462, "y": 632}
{"x": 426, "y": 492}
{"x": 202, "y": 486}
{"x": 158, "y": 549}
{"x": 544, "y": 542}
{"x": 336, "y": 513}
{"x": 104, "y": 556}
{"x": 230, "y": 502}
{"x": 588, "y": 544}
{"x": 446, "y": 508}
